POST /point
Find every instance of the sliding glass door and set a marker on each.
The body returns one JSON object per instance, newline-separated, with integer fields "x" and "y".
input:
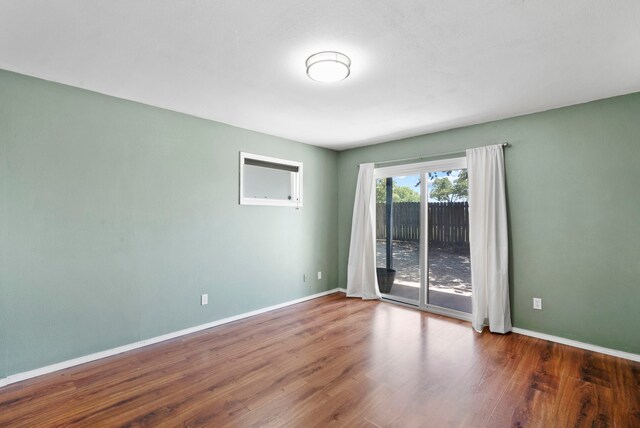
{"x": 398, "y": 217}
{"x": 448, "y": 261}
{"x": 422, "y": 231}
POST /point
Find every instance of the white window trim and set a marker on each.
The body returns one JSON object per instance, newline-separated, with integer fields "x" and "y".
{"x": 417, "y": 168}
{"x": 296, "y": 183}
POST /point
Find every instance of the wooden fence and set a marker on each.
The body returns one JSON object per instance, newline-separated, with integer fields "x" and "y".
{"x": 448, "y": 222}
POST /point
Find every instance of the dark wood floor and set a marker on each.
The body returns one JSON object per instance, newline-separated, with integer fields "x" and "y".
{"x": 342, "y": 362}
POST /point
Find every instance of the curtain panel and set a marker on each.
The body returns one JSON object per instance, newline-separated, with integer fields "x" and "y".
{"x": 488, "y": 239}
{"x": 361, "y": 270}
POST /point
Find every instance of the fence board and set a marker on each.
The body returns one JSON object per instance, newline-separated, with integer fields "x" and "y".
{"x": 448, "y": 222}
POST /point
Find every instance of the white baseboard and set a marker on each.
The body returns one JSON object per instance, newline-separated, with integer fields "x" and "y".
{"x": 576, "y": 344}
{"x": 109, "y": 352}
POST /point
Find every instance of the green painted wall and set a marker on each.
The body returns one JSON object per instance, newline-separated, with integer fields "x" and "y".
{"x": 116, "y": 216}
{"x": 573, "y": 186}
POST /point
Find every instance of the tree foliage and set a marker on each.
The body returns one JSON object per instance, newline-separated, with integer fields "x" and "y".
{"x": 444, "y": 190}
{"x": 400, "y": 193}
{"x": 461, "y": 186}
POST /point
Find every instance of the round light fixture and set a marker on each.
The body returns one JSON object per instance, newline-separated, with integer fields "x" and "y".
{"x": 328, "y": 66}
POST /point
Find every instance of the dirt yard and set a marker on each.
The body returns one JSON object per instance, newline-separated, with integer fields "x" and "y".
{"x": 449, "y": 269}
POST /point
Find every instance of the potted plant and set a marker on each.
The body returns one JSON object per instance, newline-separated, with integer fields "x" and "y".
{"x": 386, "y": 277}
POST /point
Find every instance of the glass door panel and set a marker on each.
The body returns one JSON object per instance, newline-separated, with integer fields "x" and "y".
{"x": 448, "y": 257}
{"x": 398, "y": 252}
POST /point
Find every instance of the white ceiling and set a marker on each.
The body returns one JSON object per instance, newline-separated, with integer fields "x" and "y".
{"x": 418, "y": 65}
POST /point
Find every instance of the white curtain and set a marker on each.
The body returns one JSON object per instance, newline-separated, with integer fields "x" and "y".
{"x": 361, "y": 271}
{"x": 489, "y": 240}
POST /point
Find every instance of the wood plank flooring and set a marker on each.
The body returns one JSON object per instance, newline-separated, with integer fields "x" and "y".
{"x": 334, "y": 361}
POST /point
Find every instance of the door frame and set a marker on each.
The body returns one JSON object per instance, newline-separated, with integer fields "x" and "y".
{"x": 423, "y": 169}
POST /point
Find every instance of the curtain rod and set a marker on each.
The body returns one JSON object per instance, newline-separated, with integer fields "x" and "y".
{"x": 436, "y": 155}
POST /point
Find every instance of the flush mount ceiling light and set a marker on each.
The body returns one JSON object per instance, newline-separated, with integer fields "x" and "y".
{"x": 328, "y": 66}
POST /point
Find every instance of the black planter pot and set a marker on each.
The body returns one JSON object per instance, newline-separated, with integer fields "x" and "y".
{"x": 385, "y": 279}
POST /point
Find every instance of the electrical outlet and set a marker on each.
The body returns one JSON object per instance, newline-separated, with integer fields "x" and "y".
{"x": 204, "y": 299}
{"x": 319, "y": 275}
{"x": 537, "y": 303}
{"x": 304, "y": 277}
